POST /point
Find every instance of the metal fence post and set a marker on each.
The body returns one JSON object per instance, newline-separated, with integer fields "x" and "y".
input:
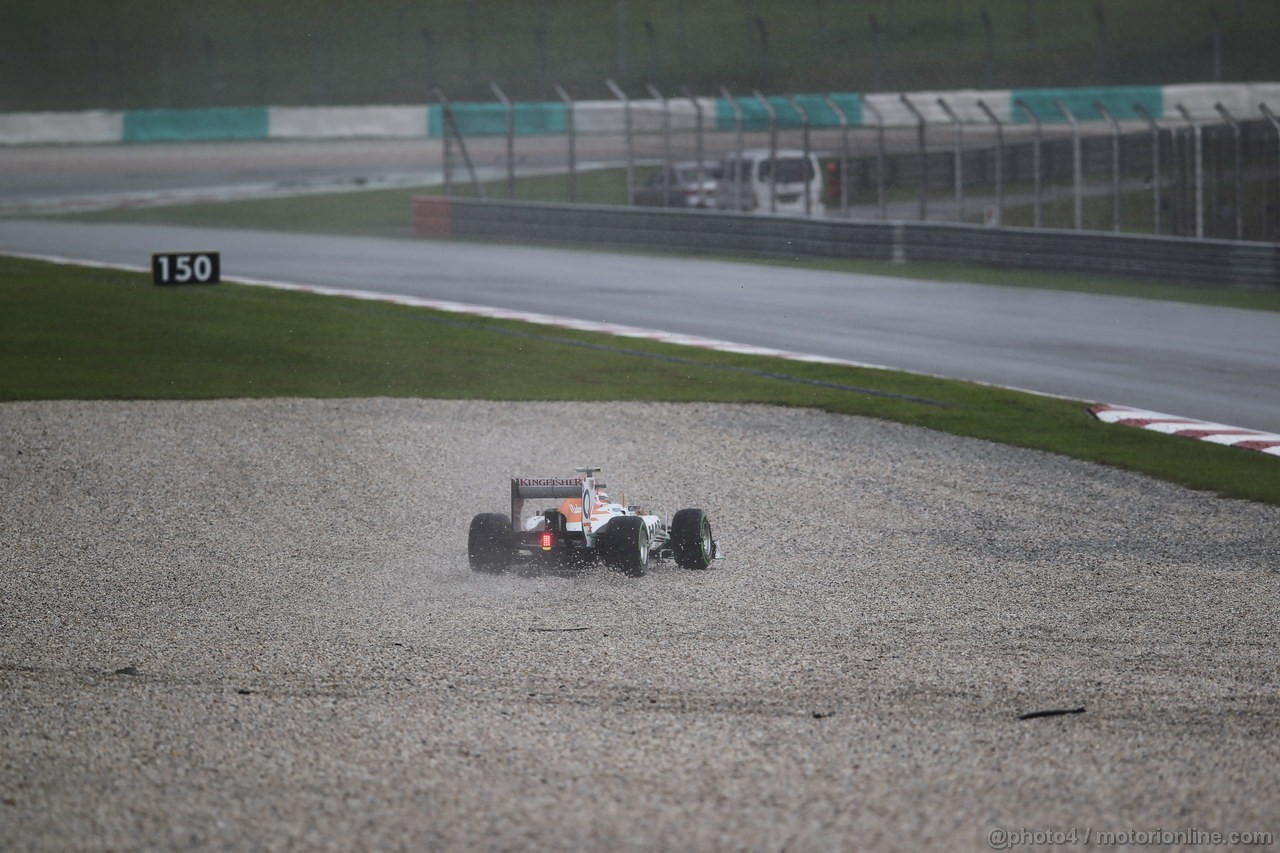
{"x": 880, "y": 146}
{"x": 573, "y": 153}
{"x": 1115, "y": 163}
{"x": 924, "y": 158}
{"x": 702, "y": 178}
{"x": 804, "y": 135}
{"x": 626, "y": 127}
{"x": 511, "y": 138}
{"x": 1198, "y": 166}
{"x": 1239, "y": 157}
{"x": 957, "y": 135}
{"x": 1077, "y": 168}
{"x": 666, "y": 143}
{"x": 1035, "y": 158}
{"x": 1177, "y": 184}
{"x": 451, "y": 124}
{"x": 737, "y": 160}
{"x": 1155, "y": 165}
{"x": 447, "y": 164}
{"x": 773, "y": 150}
{"x": 994, "y": 119}
{"x": 1275, "y": 123}
{"x": 844, "y": 153}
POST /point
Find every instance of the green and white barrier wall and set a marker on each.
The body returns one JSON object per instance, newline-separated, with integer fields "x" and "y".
{"x": 544, "y": 118}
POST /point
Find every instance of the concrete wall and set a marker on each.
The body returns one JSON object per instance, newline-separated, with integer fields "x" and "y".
{"x": 1166, "y": 259}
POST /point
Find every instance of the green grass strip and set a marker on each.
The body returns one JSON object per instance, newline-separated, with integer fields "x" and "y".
{"x": 82, "y": 334}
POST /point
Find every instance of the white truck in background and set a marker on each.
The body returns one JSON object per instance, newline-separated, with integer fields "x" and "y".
{"x": 749, "y": 182}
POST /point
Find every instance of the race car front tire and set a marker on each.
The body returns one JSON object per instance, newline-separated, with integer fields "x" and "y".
{"x": 624, "y": 545}
{"x": 691, "y": 539}
{"x": 489, "y": 542}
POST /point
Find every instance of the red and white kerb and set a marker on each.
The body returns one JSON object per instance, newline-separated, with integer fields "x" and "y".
{"x": 1248, "y": 439}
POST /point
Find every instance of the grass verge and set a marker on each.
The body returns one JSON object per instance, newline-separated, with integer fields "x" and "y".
{"x": 75, "y": 333}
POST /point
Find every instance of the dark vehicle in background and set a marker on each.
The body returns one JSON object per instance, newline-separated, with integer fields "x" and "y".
{"x": 687, "y": 185}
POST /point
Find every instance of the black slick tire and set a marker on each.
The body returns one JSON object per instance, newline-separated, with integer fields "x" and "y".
{"x": 691, "y": 539}
{"x": 624, "y": 545}
{"x": 488, "y": 543}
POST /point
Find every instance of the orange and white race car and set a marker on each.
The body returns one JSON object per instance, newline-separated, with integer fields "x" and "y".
{"x": 584, "y": 525}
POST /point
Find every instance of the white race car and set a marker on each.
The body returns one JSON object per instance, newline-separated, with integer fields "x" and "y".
{"x": 625, "y": 538}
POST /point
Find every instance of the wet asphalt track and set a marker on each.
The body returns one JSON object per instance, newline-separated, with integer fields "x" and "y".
{"x": 1216, "y": 364}
{"x": 1207, "y": 363}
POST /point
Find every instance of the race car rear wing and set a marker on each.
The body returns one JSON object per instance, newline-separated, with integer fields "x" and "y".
{"x": 524, "y": 488}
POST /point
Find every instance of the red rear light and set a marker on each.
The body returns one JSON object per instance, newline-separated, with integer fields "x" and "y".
{"x": 547, "y": 539}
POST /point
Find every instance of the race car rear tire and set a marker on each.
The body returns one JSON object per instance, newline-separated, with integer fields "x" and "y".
{"x": 489, "y": 542}
{"x": 691, "y": 539}
{"x": 624, "y": 545}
